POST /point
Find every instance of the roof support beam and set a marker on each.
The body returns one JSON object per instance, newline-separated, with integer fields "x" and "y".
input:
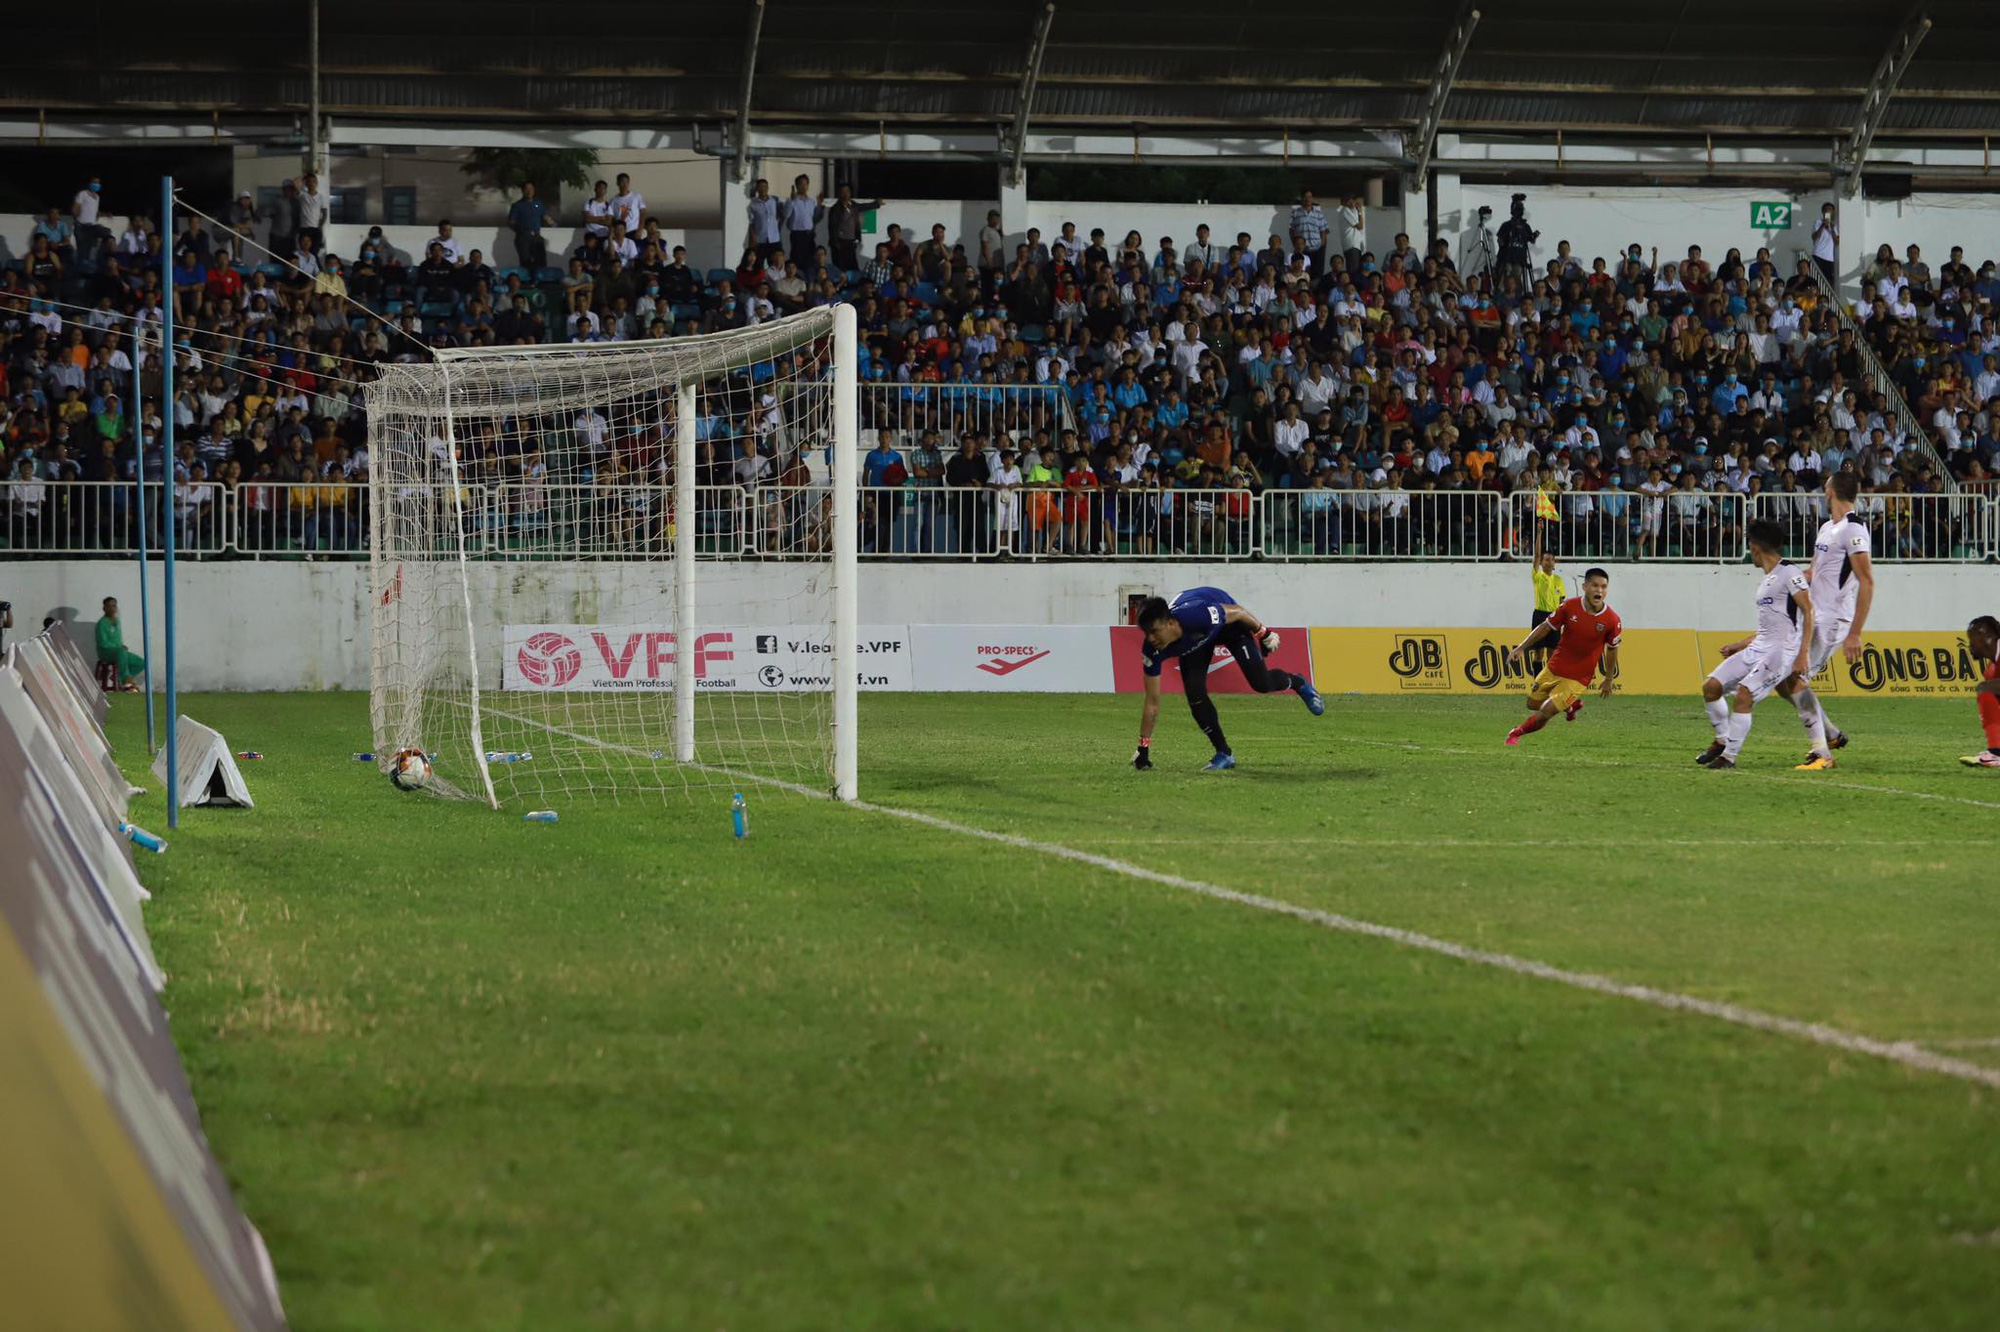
{"x": 1875, "y": 102}
{"x": 739, "y": 165}
{"x": 1442, "y": 77}
{"x": 1024, "y": 101}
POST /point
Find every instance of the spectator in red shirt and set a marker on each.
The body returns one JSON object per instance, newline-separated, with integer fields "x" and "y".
{"x": 1079, "y": 499}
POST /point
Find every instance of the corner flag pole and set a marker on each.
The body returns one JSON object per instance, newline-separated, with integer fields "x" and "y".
{"x": 135, "y": 409}
{"x": 167, "y": 451}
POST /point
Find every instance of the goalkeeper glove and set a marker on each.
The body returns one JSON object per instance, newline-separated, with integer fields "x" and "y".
{"x": 1269, "y": 642}
{"x": 1142, "y": 758}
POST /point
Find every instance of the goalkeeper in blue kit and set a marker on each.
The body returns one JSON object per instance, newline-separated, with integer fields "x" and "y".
{"x": 1199, "y": 621}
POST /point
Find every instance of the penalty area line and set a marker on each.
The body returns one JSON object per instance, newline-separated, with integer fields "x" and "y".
{"x": 1907, "y": 1053}
{"x": 1580, "y": 760}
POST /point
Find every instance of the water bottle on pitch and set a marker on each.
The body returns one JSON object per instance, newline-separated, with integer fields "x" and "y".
{"x": 539, "y": 816}
{"x": 739, "y": 816}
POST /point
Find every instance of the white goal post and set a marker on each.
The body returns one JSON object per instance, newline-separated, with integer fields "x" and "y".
{"x": 614, "y": 568}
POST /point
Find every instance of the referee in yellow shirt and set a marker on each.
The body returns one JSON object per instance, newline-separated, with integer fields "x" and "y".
{"x": 1549, "y": 590}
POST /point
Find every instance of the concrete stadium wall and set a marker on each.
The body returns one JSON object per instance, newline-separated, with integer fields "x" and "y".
{"x": 306, "y": 626}
{"x": 1596, "y": 221}
{"x": 963, "y": 218}
{"x": 1602, "y": 222}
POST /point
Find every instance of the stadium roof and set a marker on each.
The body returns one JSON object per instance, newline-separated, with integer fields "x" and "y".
{"x": 1774, "y": 68}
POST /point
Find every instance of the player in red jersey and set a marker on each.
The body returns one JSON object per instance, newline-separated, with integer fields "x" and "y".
{"x": 1590, "y": 630}
{"x": 1983, "y": 637}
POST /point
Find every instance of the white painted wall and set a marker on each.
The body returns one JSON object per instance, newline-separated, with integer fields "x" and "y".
{"x": 305, "y": 626}
{"x": 494, "y": 240}
{"x": 1601, "y": 222}
{"x": 679, "y": 186}
{"x": 1596, "y": 221}
{"x": 963, "y": 219}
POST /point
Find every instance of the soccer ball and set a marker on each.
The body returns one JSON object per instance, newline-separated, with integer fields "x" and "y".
{"x": 409, "y": 770}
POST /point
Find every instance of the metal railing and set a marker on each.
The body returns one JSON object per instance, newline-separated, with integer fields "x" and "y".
{"x": 255, "y": 519}
{"x": 1879, "y": 379}
{"x": 102, "y": 517}
{"x": 1143, "y": 522}
{"x": 1684, "y": 526}
{"x": 285, "y": 518}
{"x": 1937, "y": 529}
{"x": 626, "y": 517}
{"x": 1016, "y": 410}
{"x": 1320, "y": 524}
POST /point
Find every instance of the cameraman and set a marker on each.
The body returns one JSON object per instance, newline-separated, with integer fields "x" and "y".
{"x": 1516, "y": 238}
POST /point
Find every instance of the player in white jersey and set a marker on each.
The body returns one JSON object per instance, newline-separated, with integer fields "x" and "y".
{"x": 1754, "y": 667}
{"x": 1843, "y": 588}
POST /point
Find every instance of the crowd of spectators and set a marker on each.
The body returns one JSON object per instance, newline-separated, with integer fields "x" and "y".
{"x": 1301, "y": 362}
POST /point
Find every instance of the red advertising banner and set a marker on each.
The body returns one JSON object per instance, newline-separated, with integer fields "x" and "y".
{"x": 1224, "y": 675}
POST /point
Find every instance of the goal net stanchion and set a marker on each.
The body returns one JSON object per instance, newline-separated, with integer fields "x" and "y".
{"x": 621, "y": 568}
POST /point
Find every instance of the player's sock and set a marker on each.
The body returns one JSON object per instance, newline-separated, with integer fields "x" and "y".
{"x": 1718, "y": 717}
{"x": 1210, "y": 724}
{"x": 1739, "y": 727}
{"x": 1807, "y": 703}
{"x": 1536, "y": 721}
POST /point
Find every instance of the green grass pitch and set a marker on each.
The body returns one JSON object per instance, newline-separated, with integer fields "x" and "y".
{"x": 625, "y": 1072}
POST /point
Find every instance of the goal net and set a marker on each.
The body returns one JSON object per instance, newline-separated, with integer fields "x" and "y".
{"x": 620, "y": 568}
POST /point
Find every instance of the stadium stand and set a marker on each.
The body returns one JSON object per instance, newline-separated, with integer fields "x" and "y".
{"x": 1293, "y": 400}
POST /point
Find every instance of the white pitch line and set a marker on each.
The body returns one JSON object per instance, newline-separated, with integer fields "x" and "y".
{"x": 1584, "y": 760}
{"x": 1484, "y": 843}
{"x": 1906, "y": 1053}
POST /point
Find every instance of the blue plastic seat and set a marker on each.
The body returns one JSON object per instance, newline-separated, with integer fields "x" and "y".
{"x": 716, "y": 275}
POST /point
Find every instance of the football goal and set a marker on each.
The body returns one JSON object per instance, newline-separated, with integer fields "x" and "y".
{"x": 620, "y": 568}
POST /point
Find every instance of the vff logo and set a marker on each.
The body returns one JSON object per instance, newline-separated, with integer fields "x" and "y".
{"x": 710, "y": 648}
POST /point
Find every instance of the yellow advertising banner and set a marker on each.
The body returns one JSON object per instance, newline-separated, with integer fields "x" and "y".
{"x": 1651, "y": 661}
{"x": 1892, "y": 665}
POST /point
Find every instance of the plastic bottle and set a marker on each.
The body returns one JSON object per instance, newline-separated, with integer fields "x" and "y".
{"x": 739, "y": 816}
{"x": 539, "y": 816}
{"x": 364, "y": 758}
{"x": 507, "y": 756}
{"x": 141, "y": 838}
{"x": 248, "y": 754}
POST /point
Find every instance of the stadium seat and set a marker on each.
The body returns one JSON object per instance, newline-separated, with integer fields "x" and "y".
{"x": 716, "y": 275}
